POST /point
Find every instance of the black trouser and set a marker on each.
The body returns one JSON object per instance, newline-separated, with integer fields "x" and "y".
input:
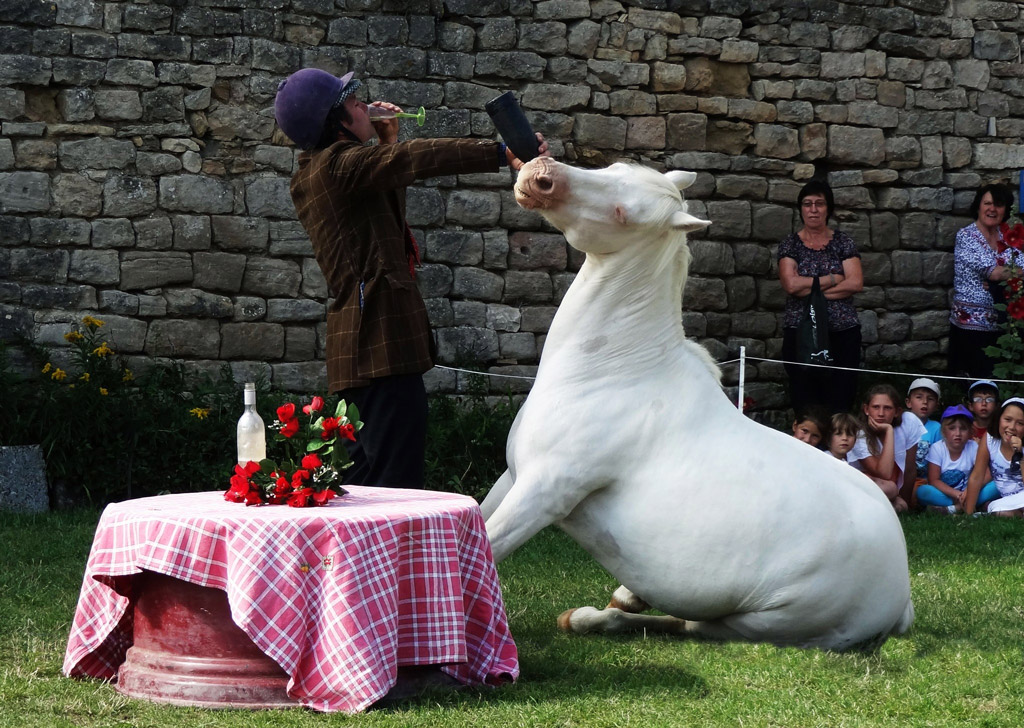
{"x": 966, "y": 356}
{"x": 829, "y": 388}
{"x": 389, "y": 450}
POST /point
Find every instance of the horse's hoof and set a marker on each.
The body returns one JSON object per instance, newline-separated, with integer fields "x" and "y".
{"x": 564, "y": 620}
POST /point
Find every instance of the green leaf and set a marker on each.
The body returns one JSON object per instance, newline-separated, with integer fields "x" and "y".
{"x": 315, "y": 445}
{"x": 352, "y": 413}
{"x": 267, "y": 465}
{"x": 339, "y": 411}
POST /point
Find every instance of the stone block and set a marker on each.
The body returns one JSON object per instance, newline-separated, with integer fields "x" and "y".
{"x": 299, "y": 344}
{"x": 24, "y": 192}
{"x": 687, "y": 132}
{"x": 527, "y": 287}
{"x": 113, "y": 233}
{"x": 240, "y": 233}
{"x": 48, "y": 266}
{"x": 270, "y": 277}
{"x": 196, "y": 194}
{"x": 191, "y": 232}
{"x": 154, "y": 233}
{"x": 730, "y": 219}
{"x": 128, "y": 195}
{"x": 269, "y": 197}
{"x": 218, "y": 271}
{"x": 469, "y": 313}
{"x": 645, "y": 132}
{"x": 537, "y": 250}
{"x": 130, "y": 72}
{"x": 287, "y": 237}
{"x": 473, "y": 207}
{"x": 774, "y": 140}
{"x": 289, "y": 310}
{"x": 475, "y": 284}
{"x": 53, "y": 232}
{"x": 467, "y": 345}
{"x": 23, "y": 485}
{"x": 184, "y": 338}
{"x": 98, "y": 267}
{"x": 728, "y": 137}
{"x": 600, "y": 131}
{"x": 856, "y": 146}
{"x": 518, "y": 346}
{"x": 142, "y": 270}
{"x": 119, "y": 302}
{"x": 456, "y": 247}
{"x": 193, "y": 302}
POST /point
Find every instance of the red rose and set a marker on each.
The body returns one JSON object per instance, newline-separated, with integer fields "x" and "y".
{"x": 1014, "y": 237}
{"x": 282, "y": 486}
{"x": 348, "y": 431}
{"x": 247, "y": 470}
{"x": 1015, "y": 310}
{"x": 290, "y": 428}
{"x": 299, "y": 477}
{"x": 286, "y": 412}
{"x": 300, "y": 498}
{"x": 252, "y": 498}
{"x": 330, "y": 426}
{"x": 315, "y": 406}
{"x": 311, "y": 461}
{"x": 323, "y": 496}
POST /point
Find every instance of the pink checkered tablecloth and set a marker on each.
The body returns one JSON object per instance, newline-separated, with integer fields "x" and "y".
{"x": 338, "y": 596}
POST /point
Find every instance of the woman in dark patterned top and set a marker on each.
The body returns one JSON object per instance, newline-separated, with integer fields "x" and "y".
{"x": 830, "y": 255}
{"x": 980, "y": 260}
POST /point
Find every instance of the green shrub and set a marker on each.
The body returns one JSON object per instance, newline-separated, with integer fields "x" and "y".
{"x": 466, "y": 439}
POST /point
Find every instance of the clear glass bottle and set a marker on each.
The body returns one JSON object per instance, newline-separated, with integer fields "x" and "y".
{"x": 250, "y": 435}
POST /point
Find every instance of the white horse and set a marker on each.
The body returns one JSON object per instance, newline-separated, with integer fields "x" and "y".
{"x": 629, "y": 444}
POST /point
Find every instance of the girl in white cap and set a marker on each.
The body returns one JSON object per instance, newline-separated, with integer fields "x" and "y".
{"x": 1000, "y": 459}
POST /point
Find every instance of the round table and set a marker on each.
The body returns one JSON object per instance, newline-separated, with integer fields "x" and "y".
{"x": 331, "y": 602}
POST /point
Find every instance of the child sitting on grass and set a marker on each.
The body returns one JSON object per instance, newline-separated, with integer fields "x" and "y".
{"x": 950, "y": 462}
{"x": 981, "y": 401}
{"x": 844, "y": 435}
{"x": 877, "y": 449}
{"x": 811, "y": 426}
{"x": 1000, "y": 458}
{"x": 923, "y": 400}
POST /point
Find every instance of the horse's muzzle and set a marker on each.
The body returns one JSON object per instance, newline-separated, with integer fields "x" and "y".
{"x": 541, "y": 184}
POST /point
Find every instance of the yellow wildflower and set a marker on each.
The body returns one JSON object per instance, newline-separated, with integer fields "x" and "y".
{"x": 58, "y": 374}
{"x": 73, "y": 336}
{"x": 103, "y": 350}
{"x": 92, "y": 323}
{"x": 71, "y": 386}
{"x": 128, "y": 376}
{"x": 85, "y": 376}
{"x": 200, "y": 413}
{"x": 47, "y": 368}
{"x": 103, "y": 391}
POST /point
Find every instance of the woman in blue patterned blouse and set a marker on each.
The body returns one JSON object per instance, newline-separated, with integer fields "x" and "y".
{"x": 980, "y": 261}
{"x": 816, "y": 250}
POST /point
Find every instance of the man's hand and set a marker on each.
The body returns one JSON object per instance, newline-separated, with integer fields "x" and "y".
{"x": 542, "y": 151}
{"x": 387, "y": 129}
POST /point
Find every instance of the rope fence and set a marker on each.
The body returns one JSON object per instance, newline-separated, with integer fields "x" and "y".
{"x": 744, "y": 359}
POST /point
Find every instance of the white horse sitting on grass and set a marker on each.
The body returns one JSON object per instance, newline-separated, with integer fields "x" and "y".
{"x": 629, "y": 444}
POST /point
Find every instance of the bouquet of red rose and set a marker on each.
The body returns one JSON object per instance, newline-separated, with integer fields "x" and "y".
{"x": 306, "y": 458}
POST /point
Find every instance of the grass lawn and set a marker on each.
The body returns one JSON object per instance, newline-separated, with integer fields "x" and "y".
{"x": 962, "y": 664}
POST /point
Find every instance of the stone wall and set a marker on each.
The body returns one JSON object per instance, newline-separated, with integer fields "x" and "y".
{"x": 142, "y": 178}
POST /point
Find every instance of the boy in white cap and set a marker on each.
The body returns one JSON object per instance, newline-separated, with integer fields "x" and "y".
{"x": 981, "y": 401}
{"x": 923, "y": 401}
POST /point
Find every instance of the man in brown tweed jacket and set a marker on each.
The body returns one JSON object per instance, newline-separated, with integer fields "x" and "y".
{"x": 350, "y": 198}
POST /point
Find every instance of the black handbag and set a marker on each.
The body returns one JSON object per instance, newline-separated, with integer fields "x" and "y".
{"x": 812, "y": 331}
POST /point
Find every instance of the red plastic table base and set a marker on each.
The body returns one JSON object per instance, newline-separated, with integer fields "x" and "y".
{"x": 188, "y": 651}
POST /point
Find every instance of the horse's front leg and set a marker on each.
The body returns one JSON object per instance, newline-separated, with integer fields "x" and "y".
{"x": 498, "y": 491}
{"x": 529, "y": 504}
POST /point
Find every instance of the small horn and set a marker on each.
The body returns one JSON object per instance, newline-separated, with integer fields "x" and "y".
{"x": 681, "y": 179}
{"x": 688, "y": 223}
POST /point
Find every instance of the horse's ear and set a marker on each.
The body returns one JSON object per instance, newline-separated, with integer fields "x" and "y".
{"x": 681, "y": 179}
{"x": 687, "y": 222}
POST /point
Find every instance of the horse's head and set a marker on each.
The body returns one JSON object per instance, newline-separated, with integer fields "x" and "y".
{"x": 606, "y": 210}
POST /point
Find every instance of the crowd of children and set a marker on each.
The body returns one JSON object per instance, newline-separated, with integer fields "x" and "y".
{"x": 966, "y": 461}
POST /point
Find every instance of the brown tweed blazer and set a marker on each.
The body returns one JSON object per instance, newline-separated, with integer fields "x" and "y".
{"x": 350, "y": 199}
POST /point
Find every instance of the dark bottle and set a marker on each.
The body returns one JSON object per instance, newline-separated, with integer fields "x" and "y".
{"x": 511, "y": 123}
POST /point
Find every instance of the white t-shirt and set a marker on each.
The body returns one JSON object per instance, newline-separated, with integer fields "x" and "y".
{"x": 904, "y": 437}
{"x": 1000, "y": 468}
{"x": 954, "y": 472}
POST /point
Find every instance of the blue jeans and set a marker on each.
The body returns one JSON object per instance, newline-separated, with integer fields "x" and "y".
{"x": 929, "y": 495}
